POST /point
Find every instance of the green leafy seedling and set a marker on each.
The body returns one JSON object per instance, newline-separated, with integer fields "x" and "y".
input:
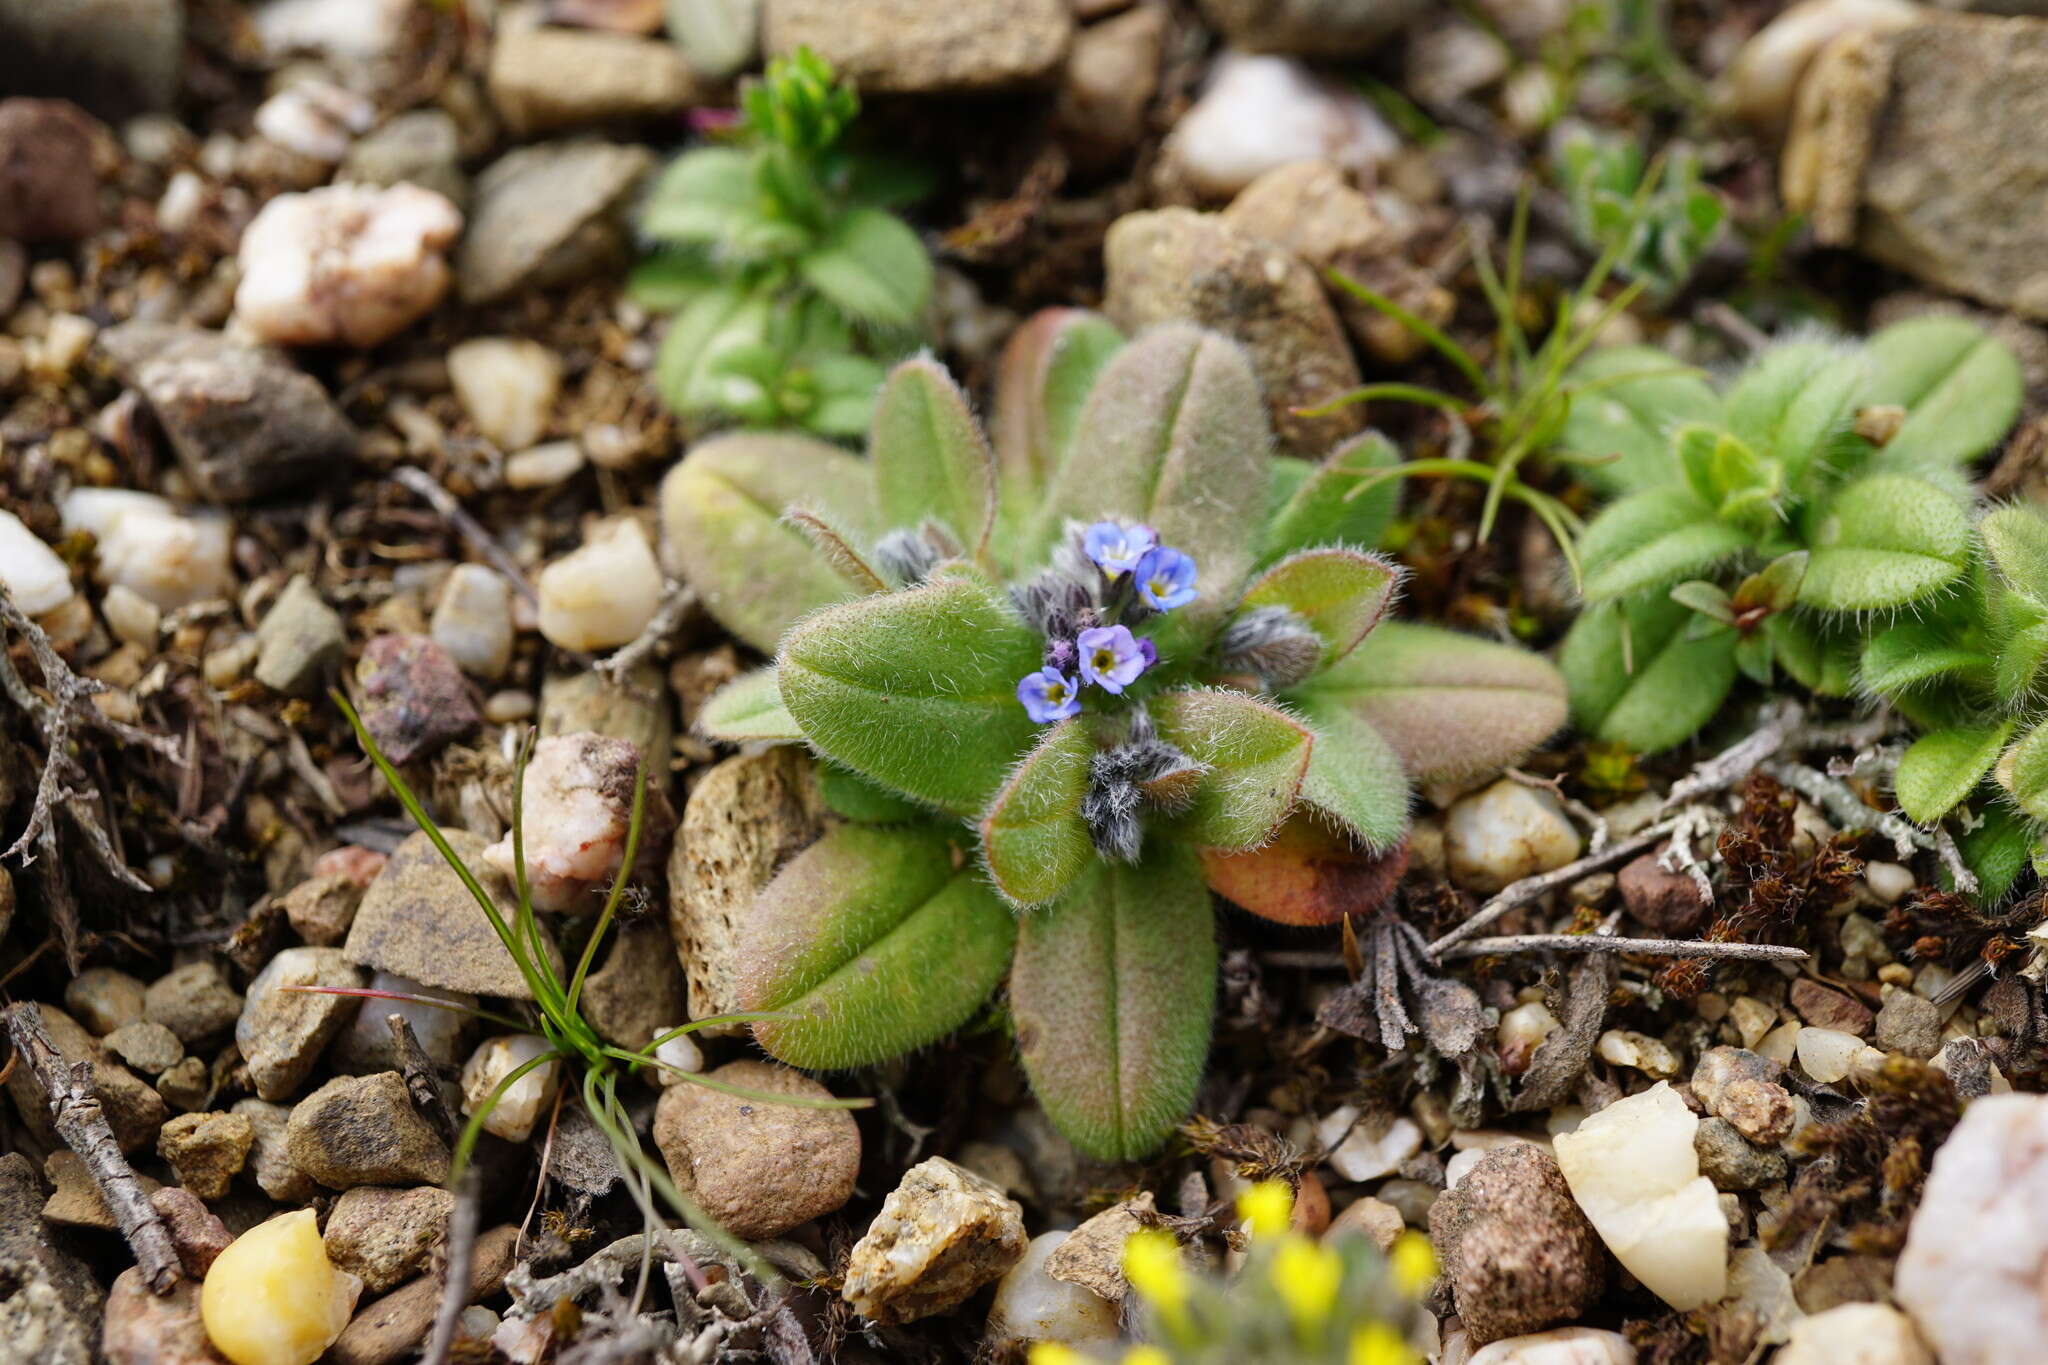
{"x": 599, "y": 1065}
{"x": 790, "y": 280}
{"x": 1064, "y": 684}
{"x": 1813, "y": 518}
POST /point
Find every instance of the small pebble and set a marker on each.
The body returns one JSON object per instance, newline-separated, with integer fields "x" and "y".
{"x": 1260, "y": 112}
{"x": 1639, "y": 1051}
{"x": 1507, "y": 832}
{"x": 578, "y": 807}
{"x": 1855, "y": 1334}
{"x": 206, "y": 1151}
{"x": 509, "y": 707}
{"x": 133, "y": 618}
{"x": 603, "y": 594}
{"x": 300, "y": 641}
{"x": 1826, "y": 1054}
{"x": 679, "y": 1053}
{"x": 194, "y": 1002}
{"x": 315, "y": 118}
{"x": 1359, "y": 1152}
{"x": 1031, "y": 1306}
{"x": 507, "y": 385}
{"x": 521, "y": 1105}
{"x": 344, "y": 264}
{"x": 1634, "y": 1170}
{"x": 758, "y": 1169}
{"x": 474, "y": 621}
{"x": 943, "y": 1233}
{"x": 1564, "y": 1346}
{"x": 103, "y": 999}
{"x": 543, "y": 466}
{"x": 143, "y": 543}
{"x": 1888, "y": 883}
{"x": 1909, "y": 1023}
{"x": 273, "y": 1298}
{"x": 30, "y": 570}
{"x": 147, "y": 1047}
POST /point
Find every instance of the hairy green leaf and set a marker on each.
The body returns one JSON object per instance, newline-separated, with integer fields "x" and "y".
{"x": 1113, "y": 990}
{"x": 1944, "y": 766}
{"x": 1961, "y": 387}
{"x": 1637, "y": 678}
{"x": 2023, "y": 771}
{"x": 1885, "y": 541}
{"x": 1174, "y": 435}
{"x": 872, "y": 267}
{"x": 1454, "y": 707}
{"x": 1997, "y": 850}
{"x": 1652, "y": 540}
{"x": 1048, "y": 368}
{"x": 1340, "y": 593}
{"x": 2016, "y": 538}
{"x": 723, "y": 529}
{"x": 704, "y": 197}
{"x": 930, "y": 457}
{"x": 1257, "y": 756}
{"x": 748, "y": 708}
{"x": 1032, "y": 835}
{"x": 1794, "y": 400}
{"x": 1914, "y": 653}
{"x": 877, "y": 940}
{"x": 1335, "y": 502}
{"x": 1354, "y": 776}
{"x": 1821, "y": 658}
{"x": 916, "y": 689}
{"x": 714, "y": 326}
{"x": 853, "y": 797}
{"x": 1626, "y": 401}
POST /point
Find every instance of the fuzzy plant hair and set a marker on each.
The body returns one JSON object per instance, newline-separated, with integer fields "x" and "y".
{"x": 1061, "y": 688}
{"x": 1774, "y": 525}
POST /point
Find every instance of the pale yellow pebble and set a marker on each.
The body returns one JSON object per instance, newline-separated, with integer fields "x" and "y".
{"x": 273, "y": 1298}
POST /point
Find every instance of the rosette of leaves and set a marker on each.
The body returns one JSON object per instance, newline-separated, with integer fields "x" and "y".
{"x": 1775, "y": 525}
{"x": 1970, "y": 673}
{"x": 786, "y": 272}
{"x": 1264, "y": 748}
{"x": 1656, "y": 217}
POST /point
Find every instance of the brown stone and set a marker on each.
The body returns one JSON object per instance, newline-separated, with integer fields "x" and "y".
{"x": 943, "y": 1233}
{"x": 386, "y": 1330}
{"x": 926, "y": 45}
{"x": 417, "y": 920}
{"x": 639, "y": 991}
{"x": 1658, "y": 898}
{"x": 143, "y": 1328}
{"x": 758, "y": 1168}
{"x": 321, "y": 909}
{"x": 1518, "y": 1253}
{"x": 198, "y": 1235}
{"x": 1825, "y": 1007}
{"x": 363, "y": 1130}
{"x": 49, "y": 184}
{"x": 206, "y": 1151}
{"x": 387, "y": 1236}
{"x": 1177, "y": 264}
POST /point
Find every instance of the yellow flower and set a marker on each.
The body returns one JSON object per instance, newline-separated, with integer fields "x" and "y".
{"x": 1054, "y": 1353}
{"x": 1266, "y": 1208}
{"x": 1146, "y": 1355}
{"x": 1414, "y": 1263}
{"x": 1152, "y": 1265}
{"x": 1377, "y": 1344}
{"x": 1307, "y": 1276}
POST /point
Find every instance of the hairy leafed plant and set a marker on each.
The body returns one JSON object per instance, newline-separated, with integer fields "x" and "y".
{"x": 1775, "y": 525}
{"x": 787, "y": 274}
{"x": 1296, "y": 1299}
{"x": 1972, "y": 674}
{"x": 1184, "y": 684}
{"x": 597, "y": 1066}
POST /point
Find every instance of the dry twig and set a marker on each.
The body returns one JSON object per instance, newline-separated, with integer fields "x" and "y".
{"x": 677, "y": 600}
{"x": 75, "y": 1112}
{"x": 1520, "y": 893}
{"x": 455, "y": 1290}
{"x": 1601, "y": 943}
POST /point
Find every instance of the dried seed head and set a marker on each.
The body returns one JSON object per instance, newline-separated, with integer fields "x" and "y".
{"x": 1053, "y": 604}
{"x": 1272, "y": 642}
{"x": 1144, "y": 772}
{"x": 907, "y": 557}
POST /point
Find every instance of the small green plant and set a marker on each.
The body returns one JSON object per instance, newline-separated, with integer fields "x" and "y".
{"x": 1656, "y": 216}
{"x": 1185, "y": 684}
{"x": 598, "y": 1065}
{"x": 1773, "y": 526}
{"x": 1970, "y": 673}
{"x": 1296, "y": 1301}
{"x": 1519, "y": 405}
{"x": 786, "y": 272}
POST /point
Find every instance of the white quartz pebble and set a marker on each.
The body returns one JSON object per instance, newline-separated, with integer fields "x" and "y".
{"x": 1031, "y": 1305}
{"x": 344, "y": 264}
{"x": 1362, "y": 1155}
{"x": 507, "y": 385}
{"x": 1560, "y": 1346}
{"x": 30, "y": 570}
{"x": 1262, "y": 112}
{"x": 603, "y": 594}
{"x": 473, "y": 621}
{"x": 525, "y": 1100}
{"x": 146, "y": 545}
{"x": 1633, "y": 1170}
{"x": 1827, "y": 1054}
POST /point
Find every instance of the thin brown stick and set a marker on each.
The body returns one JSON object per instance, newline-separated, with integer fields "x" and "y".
{"x": 1600, "y": 943}
{"x": 467, "y": 526}
{"x": 455, "y": 1285}
{"x": 75, "y": 1112}
{"x": 1738, "y": 760}
{"x": 1529, "y": 888}
{"x": 677, "y": 600}
{"x": 422, "y": 1083}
